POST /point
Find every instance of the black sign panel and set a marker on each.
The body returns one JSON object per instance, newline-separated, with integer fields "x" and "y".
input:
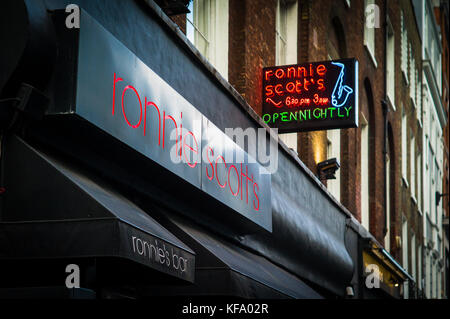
{"x": 120, "y": 94}
{"x": 157, "y": 253}
{"x": 311, "y": 96}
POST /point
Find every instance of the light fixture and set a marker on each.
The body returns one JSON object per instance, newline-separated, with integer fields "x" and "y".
{"x": 398, "y": 241}
{"x": 350, "y": 291}
{"x": 438, "y": 197}
{"x": 393, "y": 281}
{"x": 328, "y": 168}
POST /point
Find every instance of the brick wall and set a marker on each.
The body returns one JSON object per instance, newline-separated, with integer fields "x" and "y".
{"x": 442, "y": 21}
{"x": 251, "y": 46}
{"x": 180, "y": 20}
{"x": 323, "y": 23}
{"x": 407, "y": 203}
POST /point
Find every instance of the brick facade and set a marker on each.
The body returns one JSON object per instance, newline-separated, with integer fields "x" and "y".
{"x": 323, "y": 24}
{"x": 442, "y": 20}
{"x": 406, "y": 199}
{"x": 251, "y": 46}
{"x": 442, "y": 17}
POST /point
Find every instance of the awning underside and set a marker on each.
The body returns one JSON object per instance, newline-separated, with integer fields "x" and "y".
{"x": 223, "y": 267}
{"x": 56, "y": 212}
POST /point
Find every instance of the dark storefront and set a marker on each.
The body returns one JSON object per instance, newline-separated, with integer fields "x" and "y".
{"x": 87, "y": 176}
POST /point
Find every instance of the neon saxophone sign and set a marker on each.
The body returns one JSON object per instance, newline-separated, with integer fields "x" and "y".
{"x": 340, "y": 95}
{"x": 311, "y": 96}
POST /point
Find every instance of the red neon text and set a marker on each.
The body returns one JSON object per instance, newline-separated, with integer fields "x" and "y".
{"x": 186, "y": 144}
{"x": 243, "y": 178}
{"x": 296, "y": 72}
{"x": 297, "y": 86}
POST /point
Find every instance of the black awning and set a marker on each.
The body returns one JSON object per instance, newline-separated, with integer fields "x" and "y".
{"x": 51, "y": 210}
{"x": 223, "y": 268}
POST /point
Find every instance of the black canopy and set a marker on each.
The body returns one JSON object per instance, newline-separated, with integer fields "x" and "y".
{"x": 224, "y": 268}
{"x": 51, "y": 210}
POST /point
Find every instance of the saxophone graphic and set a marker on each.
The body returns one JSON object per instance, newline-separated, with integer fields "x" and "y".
{"x": 343, "y": 91}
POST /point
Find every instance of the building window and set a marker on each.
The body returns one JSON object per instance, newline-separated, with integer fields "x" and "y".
{"x": 419, "y": 272}
{"x": 405, "y": 253}
{"x": 437, "y": 187}
{"x": 418, "y": 97}
{"x": 413, "y": 256}
{"x": 433, "y": 280}
{"x": 365, "y": 174}
{"x": 404, "y": 143}
{"x": 405, "y": 243}
{"x": 334, "y": 150}
{"x": 438, "y": 285}
{"x": 412, "y": 160}
{"x": 413, "y": 75}
{"x": 387, "y": 237}
{"x": 197, "y": 25}
{"x": 369, "y": 30}
{"x": 428, "y": 275}
{"x": 390, "y": 65}
{"x": 281, "y": 33}
{"x": 286, "y": 32}
{"x": 425, "y": 29}
{"x": 418, "y": 101}
{"x": 419, "y": 180}
{"x": 290, "y": 139}
{"x": 286, "y": 48}
{"x": 430, "y": 178}
{"x": 207, "y": 29}
{"x": 404, "y": 48}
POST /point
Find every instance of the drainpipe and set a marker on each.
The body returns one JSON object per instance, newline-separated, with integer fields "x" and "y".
{"x": 385, "y": 111}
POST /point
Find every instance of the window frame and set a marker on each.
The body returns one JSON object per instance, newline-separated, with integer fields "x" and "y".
{"x": 369, "y": 35}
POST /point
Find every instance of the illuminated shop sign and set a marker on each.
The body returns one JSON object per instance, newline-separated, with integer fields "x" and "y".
{"x": 117, "y": 92}
{"x": 311, "y": 96}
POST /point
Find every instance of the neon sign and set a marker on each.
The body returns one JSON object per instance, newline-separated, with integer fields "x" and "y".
{"x": 311, "y": 96}
{"x": 129, "y": 101}
{"x": 234, "y": 179}
{"x": 340, "y": 88}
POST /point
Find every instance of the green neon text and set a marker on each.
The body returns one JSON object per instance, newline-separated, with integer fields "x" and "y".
{"x": 308, "y": 114}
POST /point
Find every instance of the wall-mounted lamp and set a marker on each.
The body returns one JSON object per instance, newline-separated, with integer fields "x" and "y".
{"x": 393, "y": 281}
{"x": 438, "y": 197}
{"x": 328, "y": 168}
{"x": 350, "y": 292}
{"x": 398, "y": 242}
